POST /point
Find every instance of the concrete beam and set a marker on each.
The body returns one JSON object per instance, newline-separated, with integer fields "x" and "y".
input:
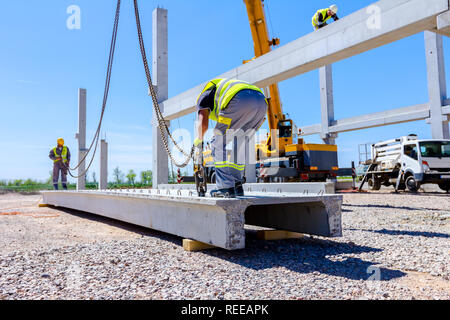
{"x": 218, "y": 222}
{"x": 443, "y": 24}
{"x": 160, "y": 161}
{"x": 103, "y": 184}
{"x": 377, "y": 119}
{"x": 437, "y": 87}
{"x": 350, "y": 36}
{"x": 296, "y": 188}
{"x": 81, "y": 136}
{"x": 326, "y": 103}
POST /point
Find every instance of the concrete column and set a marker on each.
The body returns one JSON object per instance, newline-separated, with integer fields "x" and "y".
{"x": 250, "y": 159}
{"x": 103, "y": 184}
{"x": 326, "y": 103}
{"x": 81, "y": 136}
{"x": 437, "y": 89}
{"x": 160, "y": 166}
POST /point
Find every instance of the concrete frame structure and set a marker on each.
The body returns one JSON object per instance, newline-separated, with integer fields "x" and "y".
{"x": 327, "y": 104}
{"x": 350, "y": 36}
{"x": 103, "y": 182}
{"x": 219, "y": 222}
{"x": 160, "y": 166}
{"x": 81, "y": 136}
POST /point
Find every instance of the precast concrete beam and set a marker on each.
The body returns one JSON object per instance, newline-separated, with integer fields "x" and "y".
{"x": 103, "y": 184}
{"x": 81, "y": 136}
{"x": 299, "y": 188}
{"x": 372, "y": 120}
{"x": 381, "y": 23}
{"x": 326, "y": 103}
{"x": 437, "y": 86}
{"x": 443, "y": 24}
{"x": 219, "y": 222}
{"x": 160, "y": 161}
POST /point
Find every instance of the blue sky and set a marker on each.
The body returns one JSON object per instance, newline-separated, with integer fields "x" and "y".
{"x": 43, "y": 63}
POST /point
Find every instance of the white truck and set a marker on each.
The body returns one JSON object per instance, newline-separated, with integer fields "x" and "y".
{"x": 407, "y": 162}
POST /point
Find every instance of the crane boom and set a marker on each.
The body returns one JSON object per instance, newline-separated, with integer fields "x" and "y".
{"x": 262, "y": 44}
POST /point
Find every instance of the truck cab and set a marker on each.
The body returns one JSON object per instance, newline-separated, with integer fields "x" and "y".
{"x": 426, "y": 161}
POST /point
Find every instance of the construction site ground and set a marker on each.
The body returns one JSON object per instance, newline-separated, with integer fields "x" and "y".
{"x": 394, "y": 246}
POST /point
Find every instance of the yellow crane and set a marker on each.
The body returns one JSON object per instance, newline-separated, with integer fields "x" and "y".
{"x": 301, "y": 161}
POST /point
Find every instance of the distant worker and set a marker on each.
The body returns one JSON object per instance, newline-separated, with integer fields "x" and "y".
{"x": 61, "y": 161}
{"x": 319, "y": 20}
{"x": 234, "y": 105}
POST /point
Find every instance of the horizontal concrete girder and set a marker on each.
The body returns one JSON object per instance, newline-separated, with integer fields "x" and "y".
{"x": 377, "y": 119}
{"x": 219, "y": 222}
{"x": 291, "y": 187}
{"x": 351, "y": 35}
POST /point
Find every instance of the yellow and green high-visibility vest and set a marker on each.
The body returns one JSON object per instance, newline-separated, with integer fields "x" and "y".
{"x": 315, "y": 18}
{"x": 226, "y": 89}
{"x": 63, "y": 154}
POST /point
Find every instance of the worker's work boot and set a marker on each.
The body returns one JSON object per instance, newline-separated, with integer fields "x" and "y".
{"x": 223, "y": 193}
{"x": 64, "y": 186}
{"x": 55, "y": 185}
{"x": 239, "y": 189}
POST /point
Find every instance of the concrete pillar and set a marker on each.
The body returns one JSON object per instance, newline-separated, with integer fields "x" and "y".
{"x": 103, "y": 184}
{"x": 437, "y": 89}
{"x": 160, "y": 166}
{"x": 327, "y": 103}
{"x": 250, "y": 159}
{"x": 81, "y": 136}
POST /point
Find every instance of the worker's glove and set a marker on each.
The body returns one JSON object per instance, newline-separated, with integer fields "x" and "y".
{"x": 198, "y": 149}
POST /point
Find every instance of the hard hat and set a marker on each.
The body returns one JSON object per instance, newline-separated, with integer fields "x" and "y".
{"x": 60, "y": 141}
{"x": 334, "y": 8}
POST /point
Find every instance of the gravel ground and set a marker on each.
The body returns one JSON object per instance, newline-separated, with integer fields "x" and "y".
{"x": 393, "y": 247}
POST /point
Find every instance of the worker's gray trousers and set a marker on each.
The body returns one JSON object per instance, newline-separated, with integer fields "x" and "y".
{"x": 237, "y": 123}
{"x": 57, "y": 168}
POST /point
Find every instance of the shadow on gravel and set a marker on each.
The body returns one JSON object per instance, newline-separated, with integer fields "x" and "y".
{"x": 307, "y": 255}
{"x": 386, "y": 207}
{"x": 144, "y": 232}
{"x": 406, "y": 233}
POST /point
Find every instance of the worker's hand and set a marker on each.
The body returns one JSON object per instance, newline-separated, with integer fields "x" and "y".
{"x": 57, "y": 159}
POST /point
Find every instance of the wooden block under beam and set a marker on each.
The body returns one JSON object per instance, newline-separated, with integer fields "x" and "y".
{"x": 277, "y": 235}
{"x": 41, "y": 205}
{"x": 193, "y": 245}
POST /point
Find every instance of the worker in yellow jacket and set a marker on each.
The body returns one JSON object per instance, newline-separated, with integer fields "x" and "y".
{"x": 319, "y": 20}
{"x": 239, "y": 108}
{"x": 61, "y": 161}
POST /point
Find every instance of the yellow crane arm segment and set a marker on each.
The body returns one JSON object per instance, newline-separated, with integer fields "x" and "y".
{"x": 262, "y": 44}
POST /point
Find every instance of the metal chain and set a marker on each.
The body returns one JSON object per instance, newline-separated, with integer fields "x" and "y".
{"x": 105, "y": 99}
{"x": 160, "y": 118}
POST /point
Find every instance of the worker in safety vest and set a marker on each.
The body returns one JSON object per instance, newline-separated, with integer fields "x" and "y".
{"x": 319, "y": 20}
{"x": 61, "y": 160}
{"x": 239, "y": 109}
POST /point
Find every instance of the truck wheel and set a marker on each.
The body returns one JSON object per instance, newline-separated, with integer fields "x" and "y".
{"x": 445, "y": 186}
{"x": 402, "y": 186}
{"x": 374, "y": 184}
{"x": 213, "y": 178}
{"x": 411, "y": 184}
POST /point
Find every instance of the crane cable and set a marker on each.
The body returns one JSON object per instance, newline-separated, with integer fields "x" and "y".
{"x": 105, "y": 99}
{"x": 160, "y": 118}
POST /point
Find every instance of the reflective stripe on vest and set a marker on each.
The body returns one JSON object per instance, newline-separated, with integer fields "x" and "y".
{"x": 63, "y": 154}
{"x": 226, "y": 89}
{"x": 324, "y": 12}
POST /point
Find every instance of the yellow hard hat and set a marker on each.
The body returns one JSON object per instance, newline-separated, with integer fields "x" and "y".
{"x": 60, "y": 141}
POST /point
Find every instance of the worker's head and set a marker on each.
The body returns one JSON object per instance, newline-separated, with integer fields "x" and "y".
{"x": 333, "y": 10}
{"x": 60, "y": 142}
